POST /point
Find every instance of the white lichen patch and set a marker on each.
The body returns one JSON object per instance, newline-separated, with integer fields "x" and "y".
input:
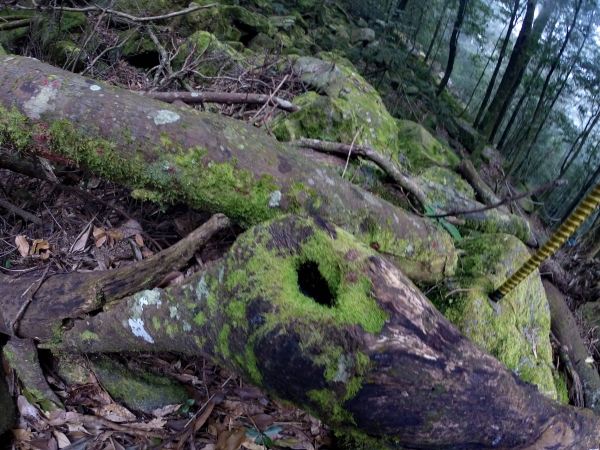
{"x": 371, "y": 199}
{"x": 40, "y": 103}
{"x": 345, "y": 365}
{"x": 186, "y": 327}
{"x": 174, "y": 312}
{"x": 311, "y": 181}
{"x": 143, "y": 299}
{"x": 137, "y": 328}
{"x": 275, "y": 199}
{"x": 202, "y": 288}
{"x": 329, "y": 181}
{"x": 95, "y": 87}
{"x": 163, "y": 116}
{"x": 10, "y": 58}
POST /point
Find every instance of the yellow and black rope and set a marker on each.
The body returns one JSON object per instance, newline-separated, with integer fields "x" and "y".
{"x": 583, "y": 211}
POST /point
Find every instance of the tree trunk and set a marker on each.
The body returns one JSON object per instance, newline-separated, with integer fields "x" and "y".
{"x": 492, "y": 83}
{"x": 210, "y": 162}
{"x": 438, "y": 27}
{"x": 542, "y": 97}
{"x": 402, "y": 4}
{"x": 462, "y": 6}
{"x": 518, "y": 60}
{"x": 303, "y": 310}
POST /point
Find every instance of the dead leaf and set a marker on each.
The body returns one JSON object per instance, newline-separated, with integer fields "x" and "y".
{"x": 288, "y": 442}
{"x": 262, "y": 421}
{"x": 38, "y": 246}
{"x": 115, "y": 413}
{"x": 231, "y": 440}
{"x": 139, "y": 240}
{"x": 79, "y": 244}
{"x": 61, "y": 439}
{"x": 22, "y": 245}
{"x": 201, "y": 420}
{"x": 165, "y": 410}
{"x": 22, "y": 435}
{"x": 100, "y": 242}
{"x": 115, "y": 234}
{"x": 130, "y": 228}
{"x": 98, "y": 232}
{"x": 147, "y": 253}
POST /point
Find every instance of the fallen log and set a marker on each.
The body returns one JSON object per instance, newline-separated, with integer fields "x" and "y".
{"x": 213, "y": 163}
{"x": 301, "y": 309}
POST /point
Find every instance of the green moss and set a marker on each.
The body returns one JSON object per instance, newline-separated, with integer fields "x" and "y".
{"x": 271, "y": 274}
{"x": 200, "y": 318}
{"x": 562, "y": 392}
{"x": 328, "y": 402}
{"x": 515, "y": 330}
{"x": 223, "y": 341}
{"x": 156, "y": 323}
{"x": 89, "y": 336}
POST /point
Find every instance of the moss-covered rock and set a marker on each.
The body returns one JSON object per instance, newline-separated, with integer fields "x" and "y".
{"x": 421, "y": 149}
{"x": 142, "y": 392}
{"x": 340, "y": 107}
{"x": 447, "y": 177}
{"x": 515, "y": 330}
{"x": 220, "y": 57}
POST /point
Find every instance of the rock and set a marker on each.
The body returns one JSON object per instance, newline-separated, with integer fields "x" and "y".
{"x": 343, "y": 107}
{"x": 362, "y": 23}
{"x": 142, "y": 392}
{"x": 515, "y": 330}
{"x": 450, "y": 178}
{"x": 221, "y": 58}
{"x": 363, "y": 35}
{"x": 421, "y": 149}
{"x": 262, "y": 42}
{"x": 469, "y": 137}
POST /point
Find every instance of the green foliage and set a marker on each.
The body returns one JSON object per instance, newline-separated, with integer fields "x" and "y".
{"x": 440, "y": 221}
{"x": 262, "y": 438}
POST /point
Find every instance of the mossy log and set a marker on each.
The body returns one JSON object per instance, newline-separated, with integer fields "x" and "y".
{"x": 213, "y": 163}
{"x": 485, "y": 194}
{"x": 303, "y": 310}
{"x": 566, "y": 331}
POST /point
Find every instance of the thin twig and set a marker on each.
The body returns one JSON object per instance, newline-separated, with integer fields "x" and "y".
{"x": 350, "y": 151}
{"x": 270, "y": 98}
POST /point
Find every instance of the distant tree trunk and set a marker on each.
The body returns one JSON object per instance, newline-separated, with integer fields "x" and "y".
{"x": 542, "y": 97}
{"x": 518, "y": 60}
{"x": 462, "y": 6}
{"x": 587, "y": 187}
{"x": 492, "y": 83}
{"x": 579, "y": 143}
{"x": 438, "y": 27}
{"x": 526, "y": 94}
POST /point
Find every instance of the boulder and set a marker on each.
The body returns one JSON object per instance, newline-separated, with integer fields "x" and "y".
{"x": 516, "y": 329}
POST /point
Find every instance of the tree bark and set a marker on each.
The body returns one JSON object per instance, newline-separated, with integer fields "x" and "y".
{"x": 210, "y": 162}
{"x": 460, "y": 16}
{"x": 303, "y": 310}
{"x": 492, "y": 83}
{"x": 518, "y": 60}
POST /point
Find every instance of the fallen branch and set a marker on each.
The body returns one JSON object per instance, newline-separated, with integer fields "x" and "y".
{"x": 92, "y": 290}
{"x": 13, "y": 24}
{"x": 221, "y": 97}
{"x": 403, "y": 179}
{"x": 506, "y": 200}
{"x": 119, "y": 13}
{"x": 20, "y": 212}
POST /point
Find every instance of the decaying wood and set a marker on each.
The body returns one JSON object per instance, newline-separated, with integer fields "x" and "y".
{"x": 221, "y": 97}
{"x": 76, "y": 294}
{"x": 566, "y": 331}
{"x": 398, "y": 370}
{"x": 210, "y": 162}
